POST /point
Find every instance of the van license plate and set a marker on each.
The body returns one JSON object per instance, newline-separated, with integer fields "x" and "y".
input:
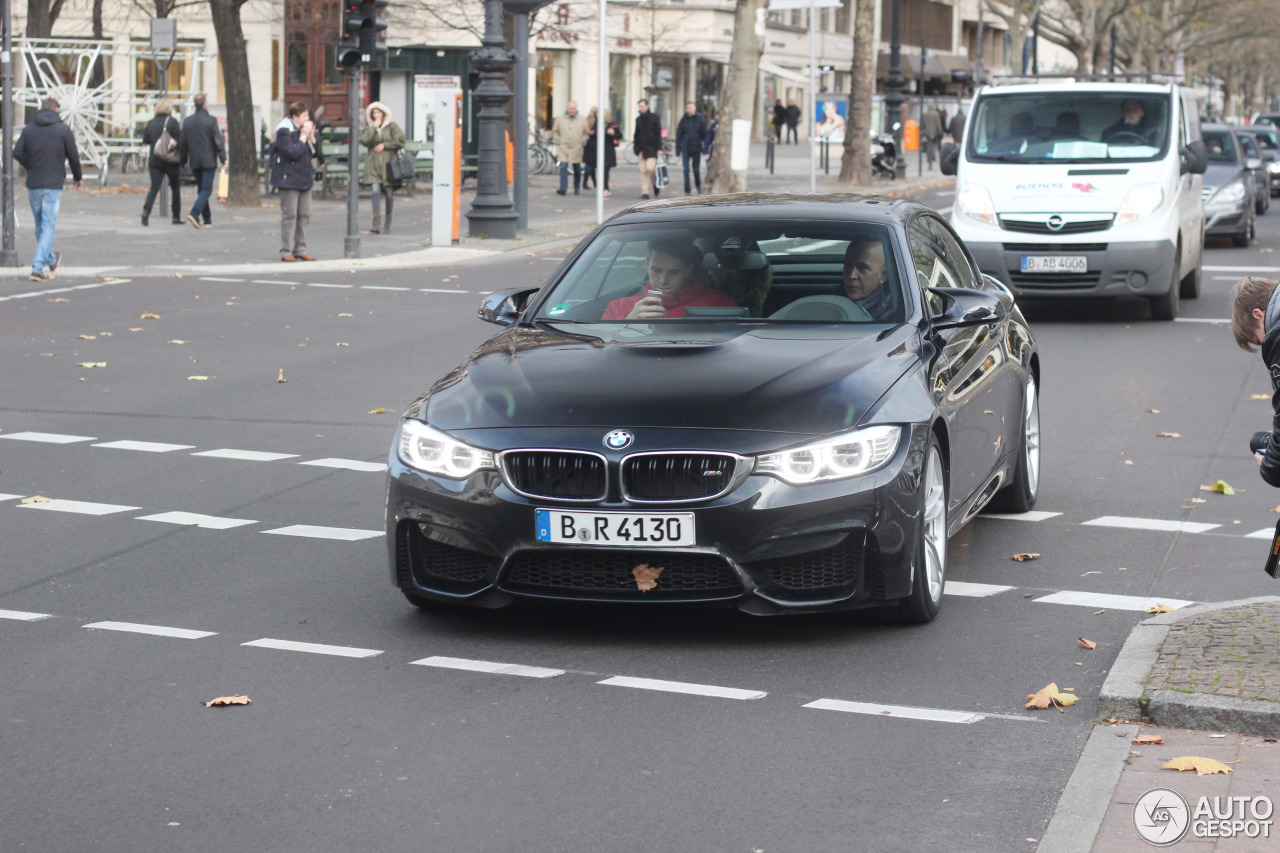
{"x": 1055, "y": 263}
{"x": 616, "y": 529}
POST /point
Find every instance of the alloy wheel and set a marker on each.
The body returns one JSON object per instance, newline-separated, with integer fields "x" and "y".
{"x": 935, "y": 526}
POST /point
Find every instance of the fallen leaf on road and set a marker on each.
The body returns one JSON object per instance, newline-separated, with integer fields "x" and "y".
{"x": 1148, "y": 739}
{"x": 1217, "y": 735}
{"x": 59, "y": 299}
{"x": 1161, "y": 607}
{"x": 346, "y": 315}
{"x": 1022, "y": 558}
{"x": 1154, "y": 411}
{"x": 1198, "y": 500}
{"x": 341, "y": 344}
{"x": 91, "y": 364}
{"x": 88, "y": 337}
{"x": 1202, "y": 766}
{"x": 228, "y": 700}
{"x": 1259, "y": 396}
{"x": 1128, "y": 461}
{"x": 376, "y": 411}
{"x": 1086, "y": 644}
{"x": 177, "y": 342}
{"x": 280, "y": 376}
{"x": 561, "y": 235}
{"x": 1047, "y": 697}
{"x": 646, "y": 576}
{"x": 34, "y": 499}
{"x": 197, "y": 378}
{"x": 137, "y": 329}
{"x": 1168, "y": 435}
{"x": 149, "y": 317}
{"x": 1219, "y": 486}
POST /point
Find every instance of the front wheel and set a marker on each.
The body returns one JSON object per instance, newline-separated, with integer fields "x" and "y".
{"x": 1165, "y": 306}
{"x": 929, "y": 569}
{"x": 1024, "y": 487}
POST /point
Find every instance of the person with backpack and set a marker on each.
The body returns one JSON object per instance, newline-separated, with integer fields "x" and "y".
{"x": 163, "y": 138}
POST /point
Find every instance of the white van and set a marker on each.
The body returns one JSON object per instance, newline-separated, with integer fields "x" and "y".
{"x": 1071, "y": 188}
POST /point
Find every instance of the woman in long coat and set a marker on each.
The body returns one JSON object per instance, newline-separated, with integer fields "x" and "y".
{"x": 382, "y": 137}
{"x": 612, "y": 136}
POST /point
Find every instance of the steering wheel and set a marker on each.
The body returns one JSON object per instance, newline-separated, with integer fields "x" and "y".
{"x": 1137, "y": 138}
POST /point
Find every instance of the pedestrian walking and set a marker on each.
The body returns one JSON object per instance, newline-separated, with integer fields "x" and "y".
{"x": 957, "y": 126}
{"x": 612, "y": 136}
{"x": 162, "y": 138}
{"x": 294, "y": 176}
{"x": 931, "y": 130}
{"x": 44, "y": 148}
{"x": 569, "y": 132}
{"x": 691, "y": 138}
{"x": 647, "y": 142}
{"x": 793, "y": 121}
{"x": 203, "y": 150}
{"x": 383, "y": 138}
{"x": 779, "y": 119}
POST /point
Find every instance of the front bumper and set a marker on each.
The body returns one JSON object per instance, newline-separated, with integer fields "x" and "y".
{"x": 765, "y": 547}
{"x": 1143, "y": 268}
{"x": 1226, "y": 223}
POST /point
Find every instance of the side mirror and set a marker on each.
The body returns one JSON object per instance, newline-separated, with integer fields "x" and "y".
{"x": 504, "y": 306}
{"x": 950, "y": 159}
{"x": 1195, "y": 158}
{"x": 963, "y": 307}
{"x": 1253, "y": 164}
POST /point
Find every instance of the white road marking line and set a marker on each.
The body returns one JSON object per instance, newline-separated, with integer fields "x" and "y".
{"x": 974, "y": 590}
{"x": 1111, "y": 602}
{"x": 937, "y": 715}
{"x": 1226, "y": 278}
{"x": 381, "y": 287}
{"x": 441, "y": 290}
{"x": 24, "y": 616}
{"x": 144, "y": 446}
{"x": 1264, "y": 533}
{"x": 1033, "y": 515}
{"x": 47, "y": 437}
{"x": 311, "y": 531}
{"x": 943, "y": 209}
{"x": 682, "y": 687}
{"x": 488, "y": 666}
{"x": 91, "y": 286}
{"x": 347, "y": 464}
{"x": 1240, "y": 269}
{"x": 1201, "y": 320}
{"x": 247, "y": 455}
{"x": 273, "y": 281}
{"x": 5, "y": 497}
{"x": 155, "y": 630}
{"x": 319, "y": 284}
{"x": 212, "y": 278}
{"x": 193, "y": 519}
{"x": 79, "y": 507}
{"x": 313, "y": 648}
{"x": 1150, "y": 524}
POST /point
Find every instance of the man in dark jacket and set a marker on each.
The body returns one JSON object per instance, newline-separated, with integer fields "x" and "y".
{"x": 294, "y": 176}
{"x": 1255, "y": 320}
{"x": 793, "y": 121}
{"x": 44, "y": 148}
{"x": 161, "y": 169}
{"x": 647, "y": 142}
{"x": 956, "y": 127}
{"x": 691, "y": 138}
{"x": 931, "y": 129}
{"x": 202, "y": 149}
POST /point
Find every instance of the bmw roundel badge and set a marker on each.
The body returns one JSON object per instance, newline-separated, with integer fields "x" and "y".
{"x": 618, "y": 439}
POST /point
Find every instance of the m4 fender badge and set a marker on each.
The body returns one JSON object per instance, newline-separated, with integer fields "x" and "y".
{"x": 619, "y": 439}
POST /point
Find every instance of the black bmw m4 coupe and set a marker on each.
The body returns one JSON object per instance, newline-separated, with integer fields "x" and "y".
{"x": 776, "y": 402}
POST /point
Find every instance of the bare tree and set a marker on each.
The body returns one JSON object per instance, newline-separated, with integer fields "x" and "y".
{"x": 41, "y": 16}
{"x": 238, "y": 94}
{"x": 855, "y": 167}
{"x": 739, "y": 92}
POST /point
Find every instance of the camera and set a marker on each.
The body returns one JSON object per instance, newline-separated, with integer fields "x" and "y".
{"x": 1259, "y": 442}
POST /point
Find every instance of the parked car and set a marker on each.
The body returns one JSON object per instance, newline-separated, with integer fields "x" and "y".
{"x": 1268, "y": 138}
{"x": 1267, "y": 118}
{"x": 1228, "y": 186}
{"x": 1261, "y": 180}
{"x": 695, "y": 409}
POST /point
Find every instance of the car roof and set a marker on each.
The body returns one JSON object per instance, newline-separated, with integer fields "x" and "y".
{"x": 840, "y": 207}
{"x": 1082, "y": 87}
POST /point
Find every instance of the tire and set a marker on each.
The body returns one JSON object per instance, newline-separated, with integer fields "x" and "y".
{"x": 1024, "y": 487}
{"x": 929, "y": 571}
{"x": 1165, "y": 306}
{"x": 1241, "y": 240}
{"x": 1190, "y": 288}
{"x": 1262, "y": 203}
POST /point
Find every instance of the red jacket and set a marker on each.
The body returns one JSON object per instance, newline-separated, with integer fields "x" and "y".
{"x": 675, "y": 305}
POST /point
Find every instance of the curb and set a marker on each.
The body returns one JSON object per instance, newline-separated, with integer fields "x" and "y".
{"x": 1084, "y": 802}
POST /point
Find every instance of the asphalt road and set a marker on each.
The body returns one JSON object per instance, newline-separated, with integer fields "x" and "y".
{"x": 353, "y": 743}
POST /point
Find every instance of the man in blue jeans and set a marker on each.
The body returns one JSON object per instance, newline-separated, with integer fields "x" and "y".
{"x": 202, "y": 149}
{"x": 44, "y": 149}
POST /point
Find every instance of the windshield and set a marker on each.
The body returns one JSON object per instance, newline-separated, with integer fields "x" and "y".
{"x": 730, "y": 271}
{"x": 1218, "y": 144}
{"x": 1069, "y": 127}
{"x": 1268, "y": 140}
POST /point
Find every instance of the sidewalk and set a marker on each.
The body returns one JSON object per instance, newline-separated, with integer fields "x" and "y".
{"x": 100, "y": 233}
{"x": 1205, "y": 680}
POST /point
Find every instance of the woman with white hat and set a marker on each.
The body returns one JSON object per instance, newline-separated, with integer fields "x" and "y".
{"x": 383, "y": 138}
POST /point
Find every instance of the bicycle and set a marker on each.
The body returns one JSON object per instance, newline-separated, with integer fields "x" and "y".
{"x": 541, "y": 159}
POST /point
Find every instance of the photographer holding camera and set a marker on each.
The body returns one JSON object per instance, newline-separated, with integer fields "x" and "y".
{"x": 1255, "y": 320}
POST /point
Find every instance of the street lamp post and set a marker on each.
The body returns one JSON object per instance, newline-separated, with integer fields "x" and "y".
{"x": 8, "y": 248}
{"x": 893, "y": 86}
{"x": 492, "y": 213}
{"x": 521, "y": 10}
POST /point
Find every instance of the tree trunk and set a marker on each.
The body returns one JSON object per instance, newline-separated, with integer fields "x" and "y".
{"x": 238, "y": 95}
{"x": 99, "y": 67}
{"x": 41, "y": 16}
{"x": 855, "y": 167}
{"x": 740, "y": 84}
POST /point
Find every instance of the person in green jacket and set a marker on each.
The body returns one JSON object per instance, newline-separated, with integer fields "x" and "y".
{"x": 383, "y": 138}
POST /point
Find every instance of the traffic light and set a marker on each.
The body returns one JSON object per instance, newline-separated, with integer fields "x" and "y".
{"x": 358, "y": 39}
{"x": 349, "y": 35}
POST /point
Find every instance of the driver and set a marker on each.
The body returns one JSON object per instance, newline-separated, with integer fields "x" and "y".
{"x": 1133, "y": 123}
{"x": 866, "y": 275}
{"x": 671, "y": 286}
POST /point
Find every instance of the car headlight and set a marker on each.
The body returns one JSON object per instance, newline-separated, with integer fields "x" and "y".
{"x": 1273, "y": 166}
{"x": 846, "y": 455}
{"x": 1141, "y": 201}
{"x": 975, "y": 202}
{"x": 1228, "y": 195}
{"x": 426, "y": 449}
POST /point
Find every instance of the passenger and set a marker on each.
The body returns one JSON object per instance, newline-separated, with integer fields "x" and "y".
{"x": 1133, "y": 122}
{"x": 1021, "y": 125}
{"x": 673, "y": 284}
{"x": 866, "y": 276}
{"x": 1067, "y": 126}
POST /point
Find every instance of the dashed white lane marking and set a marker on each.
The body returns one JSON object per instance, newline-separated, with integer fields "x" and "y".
{"x": 1111, "y": 602}
{"x": 321, "y": 284}
{"x": 1033, "y": 515}
{"x": 47, "y": 437}
{"x": 155, "y": 630}
{"x": 213, "y": 278}
{"x": 683, "y": 687}
{"x": 79, "y": 507}
{"x": 489, "y": 666}
{"x": 6, "y": 497}
{"x": 1209, "y": 320}
{"x": 937, "y": 715}
{"x": 1150, "y": 524}
{"x": 1240, "y": 269}
{"x": 24, "y": 616}
{"x": 311, "y": 531}
{"x": 273, "y": 281}
{"x": 381, "y": 287}
{"x": 193, "y": 519}
{"x": 30, "y": 294}
{"x": 1226, "y": 278}
{"x": 247, "y": 455}
{"x": 440, "y": 290}
{"x": 347, "y": 464}
{"x": 1264, "y": 533}
{"x": 144, "y": 446}
{"x": 313, "y": 648}
{"x": 974, "y": 590}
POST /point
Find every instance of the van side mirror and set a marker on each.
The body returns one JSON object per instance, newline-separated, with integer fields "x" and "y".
{"x": 1195, "y": 158}
{"x": 950, "y": 158}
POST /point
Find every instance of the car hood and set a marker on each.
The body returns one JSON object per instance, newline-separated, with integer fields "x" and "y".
{"x": 1218, "y": 174}
{"x": 808, "y": 380}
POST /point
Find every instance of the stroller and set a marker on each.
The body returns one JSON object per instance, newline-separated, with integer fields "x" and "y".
{"x": 884, "y": 156}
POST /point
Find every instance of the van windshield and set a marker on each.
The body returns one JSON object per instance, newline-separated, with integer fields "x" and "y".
{"x": 1073, "y": 127}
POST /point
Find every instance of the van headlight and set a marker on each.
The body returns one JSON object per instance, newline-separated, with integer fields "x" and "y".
{"x": 1142, "y": 200}
{"x": 847, "y": 455}
{"x": 1228, "y": 196}
{"x": 426, "y": 449}
{"x": 975, "y": 202}
{"x": 1273, "y": 166}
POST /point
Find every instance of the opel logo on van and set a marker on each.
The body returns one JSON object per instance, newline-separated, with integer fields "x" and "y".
{"x": 618, "y": 439}
{"x": 1055, "y": 223}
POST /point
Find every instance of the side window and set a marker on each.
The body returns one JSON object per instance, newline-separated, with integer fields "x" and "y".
{"x": 954, "y": 257}
{"x": 930, "y": 271}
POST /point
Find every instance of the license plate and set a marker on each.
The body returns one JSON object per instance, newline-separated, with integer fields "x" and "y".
{"x": 616, "y": 529}
{"x": 1055, "y": 263}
